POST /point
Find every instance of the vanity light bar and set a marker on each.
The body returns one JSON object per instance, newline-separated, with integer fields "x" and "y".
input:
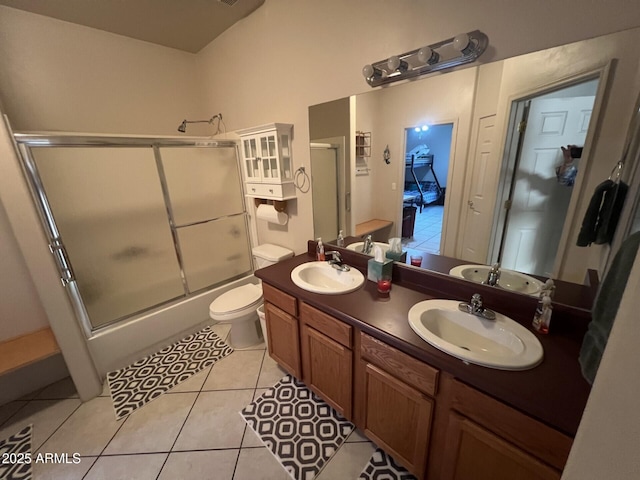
{"x": 461, "y": 49}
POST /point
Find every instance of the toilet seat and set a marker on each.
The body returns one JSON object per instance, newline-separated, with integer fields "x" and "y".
{"x": 236, "y": 303}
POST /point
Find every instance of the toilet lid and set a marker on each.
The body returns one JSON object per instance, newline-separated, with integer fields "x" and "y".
{"x": 237, "y": 298}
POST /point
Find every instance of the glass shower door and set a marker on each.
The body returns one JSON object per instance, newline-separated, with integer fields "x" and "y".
{"x": 205, "y": 193}
{"x": 110, "y": 212}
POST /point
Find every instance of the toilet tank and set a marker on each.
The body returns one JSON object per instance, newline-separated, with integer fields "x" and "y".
{"x": 268, "y": 254}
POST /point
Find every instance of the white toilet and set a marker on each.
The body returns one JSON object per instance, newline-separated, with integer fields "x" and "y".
{"x": 238, "y": 306}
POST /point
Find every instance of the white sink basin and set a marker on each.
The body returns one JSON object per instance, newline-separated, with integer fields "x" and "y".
{"x": 357, "y": 247}
{"x": 321, "y": 277}
{"x": 509, "y": 279}
{"x": 501, "y": 343}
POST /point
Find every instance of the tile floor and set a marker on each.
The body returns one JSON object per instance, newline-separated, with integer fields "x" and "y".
{"x": 192, "y": 432}
{"x": 426, "y": 231}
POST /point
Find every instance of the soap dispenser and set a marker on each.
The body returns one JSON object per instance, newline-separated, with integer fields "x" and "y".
{"x": 320, "y": 251}
{"x": 340, "y": 240}
{"x": 542, "y": 317}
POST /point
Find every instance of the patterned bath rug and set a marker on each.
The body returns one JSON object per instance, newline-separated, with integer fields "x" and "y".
{"x": 15, "y": 455}
{"x": 382, "y": 466}
{"x": 147, "y": 379}
{"x": 298, "y": 427}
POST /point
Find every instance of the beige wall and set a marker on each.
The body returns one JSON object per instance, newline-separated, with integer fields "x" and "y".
{"x": 60, "y": 76}
{"x": 271, "y": 66}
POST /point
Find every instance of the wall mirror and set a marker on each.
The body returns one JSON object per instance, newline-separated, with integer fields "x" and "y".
{"x": 576, "y": 94}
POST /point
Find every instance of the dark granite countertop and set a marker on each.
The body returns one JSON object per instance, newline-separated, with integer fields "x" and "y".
{"x": 554, "y": 392}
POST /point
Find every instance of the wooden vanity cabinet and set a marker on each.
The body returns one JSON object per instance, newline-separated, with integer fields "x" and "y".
{"x": 396, "y": 402}
{"x": 282, "y": 329}
{"x": 487, "y": 440}
{"x": 327, "y": 358}
{"x": 429, "y": 421}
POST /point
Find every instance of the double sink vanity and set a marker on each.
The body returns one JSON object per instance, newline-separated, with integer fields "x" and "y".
{"x": 449, "y": 394}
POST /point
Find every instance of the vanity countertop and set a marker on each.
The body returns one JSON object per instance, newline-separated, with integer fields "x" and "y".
{"x": 554, "y": 392}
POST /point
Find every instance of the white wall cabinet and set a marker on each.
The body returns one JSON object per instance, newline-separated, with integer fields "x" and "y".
{"x": 267, "y": 164}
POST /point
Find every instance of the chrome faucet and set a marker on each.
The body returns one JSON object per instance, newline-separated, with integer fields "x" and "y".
{"x": 476, "y": 307}
{"x": 368, "y": 245}
{"x": 493, "y": 276}
{"x": 336, "y": 261}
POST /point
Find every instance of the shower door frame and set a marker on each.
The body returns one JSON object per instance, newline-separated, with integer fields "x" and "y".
{"x": 26, "y": 141}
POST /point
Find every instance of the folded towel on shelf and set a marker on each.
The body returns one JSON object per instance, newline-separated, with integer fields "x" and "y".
{"x": 606, "y": 306}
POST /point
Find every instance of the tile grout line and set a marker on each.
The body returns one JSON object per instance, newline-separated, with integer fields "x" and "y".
{"x": 244, "y": 432}
{"x": 187, "y": 416}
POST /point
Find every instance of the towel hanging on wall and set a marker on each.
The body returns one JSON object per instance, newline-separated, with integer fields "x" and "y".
{"x": 602, "y": 215}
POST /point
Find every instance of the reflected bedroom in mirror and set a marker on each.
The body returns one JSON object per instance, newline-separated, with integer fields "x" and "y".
{"x": 485, "y": 168}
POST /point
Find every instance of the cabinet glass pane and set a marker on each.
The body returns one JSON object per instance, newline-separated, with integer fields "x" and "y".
{"x": 111, "y": 215}
{"x": 272, "y": 145}
{"x": 273, "y": 162}
{"x": 284, "y": 145}
{"x": 266, "y": 168}
{"x": 203, "y": 183}
{"x": 215, "y": 251}
{"x": 285, "y": 165}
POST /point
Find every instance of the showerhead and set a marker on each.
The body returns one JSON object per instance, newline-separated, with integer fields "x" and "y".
{"x": 183, "y": 126}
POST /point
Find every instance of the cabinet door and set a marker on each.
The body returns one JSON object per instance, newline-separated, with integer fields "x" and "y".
{"x": 282, "y": 330}
{"x": 397, "y": 418}
{"x": 473, "y": 453}
{"x": 251, "y": 159}
{"x": 326, "y": 369}
{"x": 269, "y": 158}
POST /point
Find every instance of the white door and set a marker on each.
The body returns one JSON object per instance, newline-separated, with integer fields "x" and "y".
{"x": 479, "y": 212}
{"x": 539, "y": 203}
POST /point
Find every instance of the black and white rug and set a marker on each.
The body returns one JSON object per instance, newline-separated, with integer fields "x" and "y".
{"x": 147, "y": 379}
{"x": 299, "y": 428}
{"x": 15, "y": 456}
{"x": 383, "y": 467}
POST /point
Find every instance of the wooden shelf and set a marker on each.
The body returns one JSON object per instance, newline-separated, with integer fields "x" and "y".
{"x": 27, "y": 349}
{"x": 371, "y": 226}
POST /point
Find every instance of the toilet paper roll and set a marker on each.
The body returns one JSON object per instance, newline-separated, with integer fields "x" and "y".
{"x": 268, "y": 212}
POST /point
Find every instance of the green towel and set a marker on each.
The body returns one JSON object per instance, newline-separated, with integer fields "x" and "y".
{"x": 606, "y": 306}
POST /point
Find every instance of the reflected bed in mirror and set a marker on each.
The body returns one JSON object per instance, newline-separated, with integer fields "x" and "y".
{"x": 482, "y": 110}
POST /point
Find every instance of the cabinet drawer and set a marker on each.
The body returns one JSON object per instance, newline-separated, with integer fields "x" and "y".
{"x": 282, "y": 300}
{"x": 270, "y": 190}
{"x": 331, "y": 327}
{"x": 406, "y": 368}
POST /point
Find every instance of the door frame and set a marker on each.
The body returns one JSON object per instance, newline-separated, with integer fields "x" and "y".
{"x": 510, "y": 147}
{"x": 449, "y": 219}
{"x": 333, "y": 144}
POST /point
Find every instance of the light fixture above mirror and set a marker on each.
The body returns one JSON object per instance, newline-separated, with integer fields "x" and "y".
{"x": 461, "y": 49}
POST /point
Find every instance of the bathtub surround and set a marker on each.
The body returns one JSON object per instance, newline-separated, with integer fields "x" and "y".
{"x": 19, "y": 445}
{"x": 136, "y": 385}
{"x": 299, "y": 429}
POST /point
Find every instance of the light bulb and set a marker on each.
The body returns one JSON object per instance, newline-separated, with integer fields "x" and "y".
{"x": 417, "y": 129}
{"x": 369, "y": 71}
{"x": 461, "y": 43}
{"x": 428, "y": 56}
{"x": 394, "y": 63}
{"x": 425, "y": 128}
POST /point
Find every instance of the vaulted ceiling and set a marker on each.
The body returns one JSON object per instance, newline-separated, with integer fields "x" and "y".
{"x": 187, "y": 25}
